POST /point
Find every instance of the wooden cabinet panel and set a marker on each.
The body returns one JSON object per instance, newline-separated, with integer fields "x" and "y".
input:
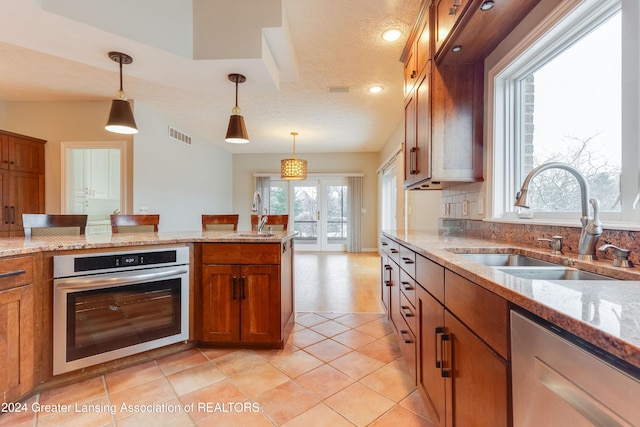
{"x": 220, "y": 306}
{"x": 408, "y": 261}
{"x": 15, "y": 272}
{"x": 410, "y": 141}
{"x": 26, "y": 195}
{"x": 408, "y": 287}
{"x": 17, "y": 346}
{"x": 486, "y": 313}
{"x": 241, "y": 253}
{"x": 430, "y": 276}
{"x": 385, "y": 283}
{"x": 259, "y": 300}
{"x": 417, "y": 150}
{"x": 26, "y": 155}
{"x": 477, "y": 387}
{"x": 447, "y": 13}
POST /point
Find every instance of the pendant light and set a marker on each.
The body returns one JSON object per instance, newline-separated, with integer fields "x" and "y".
{"x": 121, "y": 117}
{"x": 237, "y": 132}
{"x": 293, "y": 169}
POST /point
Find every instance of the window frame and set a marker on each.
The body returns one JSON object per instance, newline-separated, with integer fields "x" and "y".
{"x": 562, "y": 26}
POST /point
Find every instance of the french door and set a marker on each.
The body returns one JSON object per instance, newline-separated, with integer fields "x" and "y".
{"x": 320, "y": 214}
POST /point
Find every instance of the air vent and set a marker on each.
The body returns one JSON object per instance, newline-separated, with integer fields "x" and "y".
{"x": 179, "y": 136}
{"x": 339, "y": 89}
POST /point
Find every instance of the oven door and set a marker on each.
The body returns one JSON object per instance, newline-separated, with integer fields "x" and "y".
{"x": 107, "y": 316}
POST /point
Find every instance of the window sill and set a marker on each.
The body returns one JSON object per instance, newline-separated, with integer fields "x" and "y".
{"x": 565, "y": 223}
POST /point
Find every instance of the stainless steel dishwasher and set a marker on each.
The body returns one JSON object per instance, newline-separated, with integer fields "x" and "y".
{"x": 558, "y": 383}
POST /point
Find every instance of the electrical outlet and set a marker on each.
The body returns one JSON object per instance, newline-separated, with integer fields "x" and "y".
{"x": 465, "y": 208}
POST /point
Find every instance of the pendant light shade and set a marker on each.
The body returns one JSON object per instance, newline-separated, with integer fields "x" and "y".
{"x": 237, "y": 131}
{"x": 293, "y": 169}
{"x": 121, "y": 118}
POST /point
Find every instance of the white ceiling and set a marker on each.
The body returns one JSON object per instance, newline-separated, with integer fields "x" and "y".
{"x": 309, "y": 46}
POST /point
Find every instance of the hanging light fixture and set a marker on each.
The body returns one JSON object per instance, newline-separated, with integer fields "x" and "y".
{"x": 293, "y": 169}
{"x": 121, "y": 117}
{"x": 237, "y": 132}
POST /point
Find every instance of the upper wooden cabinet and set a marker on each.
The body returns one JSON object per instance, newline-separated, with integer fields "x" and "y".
{"x": 472, "y": 31}
{"x": 21, "y": 153}
{"x": 417, "y": 51}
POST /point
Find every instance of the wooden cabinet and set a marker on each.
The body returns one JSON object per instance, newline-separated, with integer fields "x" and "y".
{"x": 454, "y": 336}
{"x": 246, "y": 294}
{"x": 22, "y": 180}
{"x": 17, "y": 324}
{"x": 417, "y": 147}
{"x": 447, "y": 14}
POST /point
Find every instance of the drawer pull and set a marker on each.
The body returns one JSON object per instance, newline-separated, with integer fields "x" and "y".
{"x": 407, "y": 286}
{"x": 385, "y": 244}
{"x": 444, "y": 372}
{"x": 235, "y": 287}
{"x": 439, "y": 330}
{"x": 12, "y": 273}
{"x": 394, "y": 251}
{"x": 404, "y": 333}
{"x": 244, "y": 296}
{"x": 406, "y": 311}
{"x": 408, "y": 261}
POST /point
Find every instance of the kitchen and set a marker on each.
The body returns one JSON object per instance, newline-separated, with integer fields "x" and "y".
{"x": 150, "y": 162}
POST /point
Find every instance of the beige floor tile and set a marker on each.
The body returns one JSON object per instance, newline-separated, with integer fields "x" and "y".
{"x": 84, "y": 391}
{"x": 415, "y": 404}
{"x": 297, "y": 363}
{"x": 23, "y": 416}
{"x": 401, "y": 416}
{"x": 171, "y": 414}
{"x": 272, "y": 354}
{"x": 359, "y": 404}
{"x": 286, "y": 402}
{"x": 258, "y": 379}
{"x": 205, "y": 400}
{"x": 236, "y": 419}
{"x": 305, "y": 337}
{"x": 318, "y": 416}
{"x": 324, "y": 381}
{"x": 238, "y": 361}
{"x": 354, "y": 338}
{"x": 327, "y": 350}
{"x": 190, "y": 379}
{"x": 214, "y": 353}
{"x": 126, "y": 378}
{"x": 310, "y": 319}
{"x": 382, "y": 350}
{"x": 378, "y": 328}
{"x": 152, "y": 392}
{"x": 353, "y": 320}
{"x": 329, "y": 328}
{"x": 392, "y": 381}
{"x": 94, "y": 413}
{"x": 356, "y": 364}
{"x": 179, "y": 361}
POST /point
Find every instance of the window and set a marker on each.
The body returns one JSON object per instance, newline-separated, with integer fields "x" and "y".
{"x": 558, "y": 97}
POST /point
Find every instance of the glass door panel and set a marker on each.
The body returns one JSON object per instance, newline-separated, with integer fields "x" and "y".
{"x": 305, "y": 214}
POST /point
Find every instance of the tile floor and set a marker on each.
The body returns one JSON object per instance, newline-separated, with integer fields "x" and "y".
{"x": 340, "y": 367}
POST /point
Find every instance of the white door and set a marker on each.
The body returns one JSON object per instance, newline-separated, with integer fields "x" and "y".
{"x": 320, "y": 214}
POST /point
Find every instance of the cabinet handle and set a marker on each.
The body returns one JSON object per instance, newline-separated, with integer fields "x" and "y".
{"x": 413, "y": 161}
{"x": 385, "y": 244}
{"x": 444, "y": 372}
{"x": 244, "y": 296}
{"x": 406, "y": 311}
{"x": 13, "y": 214}
{"x": 407, "y": 286}
{"x": 235, "y": 287}
{"x": 413, "y": 74}
{"x": 404, "y": 333}
{"x": 408, "y": 261}
{"x": 394, "y": 250}
{"x": 12, "y": 273}
{"x": 6, "y": 214}
{"x": 388, "y": 268}
{"x": 439, "y": 330}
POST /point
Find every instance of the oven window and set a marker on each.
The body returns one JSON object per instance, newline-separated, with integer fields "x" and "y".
{"x": 102, "y": 320}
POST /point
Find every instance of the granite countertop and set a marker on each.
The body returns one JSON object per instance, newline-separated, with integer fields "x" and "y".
{"x": 20, "y": 245}
{"x": 605, "y": 314}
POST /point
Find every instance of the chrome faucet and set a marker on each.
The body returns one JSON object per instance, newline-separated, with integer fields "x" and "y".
{"x": 591, "y": 227}
{"x": 256, "y": 207}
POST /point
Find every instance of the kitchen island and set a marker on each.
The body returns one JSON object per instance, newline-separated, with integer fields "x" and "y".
{"x": 265, "y": 269}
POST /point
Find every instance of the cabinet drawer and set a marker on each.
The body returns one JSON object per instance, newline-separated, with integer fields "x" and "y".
{"x": 408, "y": 312}
{"x": 391, "y": 248}
{"x": 430, "y": 276}
{"x": 483, "y": 312}
{"x": 408, "y": 261}
{"x": 241, "y": 253}
{"x": 15, "y": 272}
{"x": 408, "y": 348}
{"x": 408, "y": 287}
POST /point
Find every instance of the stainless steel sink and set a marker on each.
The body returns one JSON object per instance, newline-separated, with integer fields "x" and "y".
{"x": 552, "y": 273}
{"x": 503, "y": 260}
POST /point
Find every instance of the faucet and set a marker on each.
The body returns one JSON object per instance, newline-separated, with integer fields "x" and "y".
{"x": 591, "y": 227}
{"x": 256, "y": 207}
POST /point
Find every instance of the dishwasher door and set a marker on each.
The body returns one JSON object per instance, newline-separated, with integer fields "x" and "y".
{"x": 557, "y": 383}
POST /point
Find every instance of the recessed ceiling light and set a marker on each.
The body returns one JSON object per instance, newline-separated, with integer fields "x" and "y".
{"x": 376, "y": 89}
{"x": 392, "y": 35}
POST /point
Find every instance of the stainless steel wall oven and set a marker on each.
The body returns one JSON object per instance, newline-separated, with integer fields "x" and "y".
{"x": 111, "y": 305}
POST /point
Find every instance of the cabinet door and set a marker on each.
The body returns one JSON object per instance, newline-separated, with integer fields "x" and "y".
{"x": 385, "y": 284}
{"x": 26, "y": 155}
{"x": 220, "y": 303}
{"x": 431, "y": 383}
{"x": 410, "y": 148}
{"x": 447, "y": 14}
{"x": 410, "y": 72}
{"x": 26, "y": 195}
{"x": 17, "y": 343}
{"x": 423, "y": 125}
{"x": 5, "y": 209}
{"x": 477, "y": 387}
{"x": 259, "y": 295}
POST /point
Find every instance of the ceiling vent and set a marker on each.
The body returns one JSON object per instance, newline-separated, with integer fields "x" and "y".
{"x": 339, "y": 89}
{"x": 179, "y": 136}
